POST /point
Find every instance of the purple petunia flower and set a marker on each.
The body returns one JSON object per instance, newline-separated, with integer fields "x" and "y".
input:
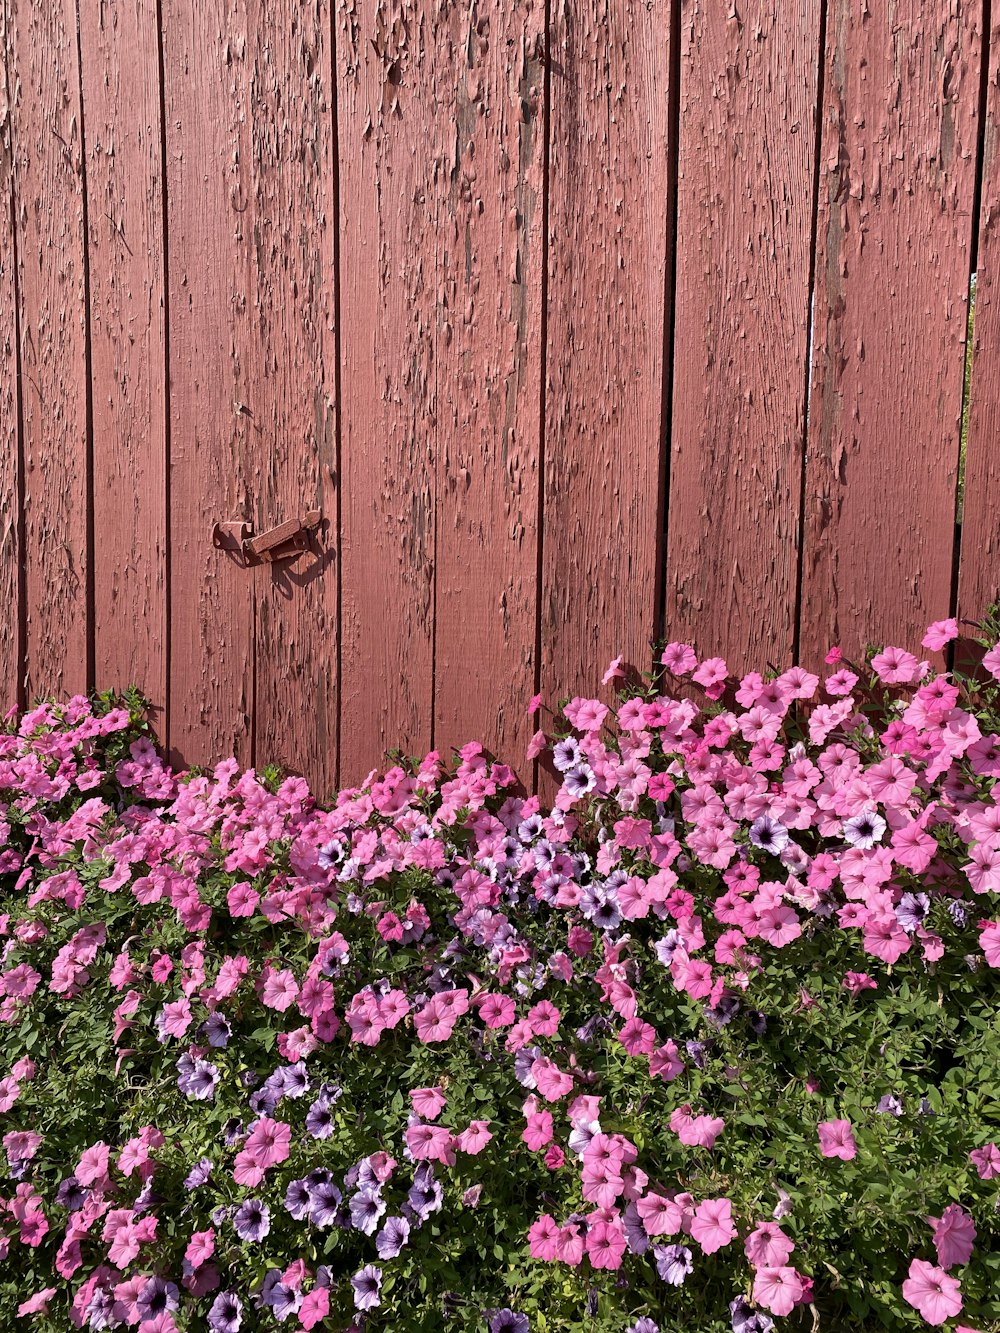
{"x": 393, "y": 1236}
{"x": 508, "y": 1321}
{"x": 673, "y": 1263}
{"x": 156, "y": 1297}
{"x": 319, "y": 1120}
{"x": 890, "y": 1105}
{"x": 298, "y": 1199}
{"x": 644, "y": 1325}
{"x": 226, "y": 1314}
{"x": 367, "y": 1207}
{"x": 767, "y": 834}
{"x": 911, "y": 910}
{"x": 71, "y": 1194}
{"x": 217, "y": 1031}
{"x": 252, "y": 1220}
{"x": 200, "y": 1081}
{"x": 745, "y": 1319}
{"x": 367, "y": 1284}
{"x": 326, "y": 1200}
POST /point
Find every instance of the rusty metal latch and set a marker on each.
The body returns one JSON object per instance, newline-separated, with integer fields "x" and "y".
{"x": 278, "y": 543}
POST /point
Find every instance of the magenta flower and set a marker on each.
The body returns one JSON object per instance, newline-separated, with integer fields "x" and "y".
{"x": 836, "y": 1139}
{"x": 767, "y": 1246}
{"x": 713, "y": 1225}
{"x": 778, "y": 1289}
{"x": 954, "y": 1236}
{"x": 931, "y": 1292}
{"x": 986, "y": 1160}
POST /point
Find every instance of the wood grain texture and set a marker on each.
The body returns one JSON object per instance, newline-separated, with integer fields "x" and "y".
{"x": 489, "y": 355}
{"x": 119, "y": 43}
{"x": 979, "y": 565}
{"x": 608, "y": 205}
{"x": 49, "y": 216}
{"x": 393, "y": 171}
{"x": 213, "y": 431}
{"x": 290, "y": 357}
{"x": 892, "y": 269}
{"x": 747, "y": 145}
{"x": 11, "y": 582}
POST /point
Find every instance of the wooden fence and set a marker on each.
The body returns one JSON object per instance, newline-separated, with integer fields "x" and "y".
{"x": 579, "y": 321}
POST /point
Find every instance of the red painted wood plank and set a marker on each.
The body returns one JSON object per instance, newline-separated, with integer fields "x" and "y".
{"x": 11, "y": 582}
{"x": 608, "y": 207}
{"x": 489, "y": 354}
{"x": 120, "y": 59}
{"x": 49, "y": 212}
{"x": 895, "y": 202}
{"x": 291, "y": 370}
{"x": 392, "y": 165}
{"x": 212, "y": 389}
{"x": 979, "y": 565}
{"x": 747, "y": 146}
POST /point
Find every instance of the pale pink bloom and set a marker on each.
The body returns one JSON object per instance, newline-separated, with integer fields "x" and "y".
{"x": 586, "y": 714}
{"x": 991, "y": 661}
{"x": 698, "y": 1131}
{"x": 986, "y": 1160}
{"x": 431, "y": 1143}
{"x": 779, "y": 925}
{"x": 496, "y": 1011}
{"x": 940, "y": 633}
{"x": 314, "y": 1308}
{"x": 538, "y": 1130}
{"x": 605, "y": 1245}
{"x": 665, "y": 1062}
{"x": 543, "y": 1238}
{"x": 895, "y": 666}
{"x": 474, "y": 1139}
{"x": 932, "y": 1292}
{"x": 660, "y": 1216}
{"x": 836, "y": 1139}
{"x": 279, "y": 991}
{"x": 614, "y": 671}
{"x": 767, "y": 1246}
{"x": 679, "y": 658}
{"x": 37, "y": 1304}
{"x": 777, "y": 1289}
{"x": 93, "y": 1165}
{"x": 954, "y": 1236}
{"x": 713, "y": 1226}
{"x": 552, "y": 1083}
{"x": 200, "y": 1248}
{"x": 428, "y": 1102}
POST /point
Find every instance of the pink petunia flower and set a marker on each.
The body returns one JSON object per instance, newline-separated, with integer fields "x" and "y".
{"x": 778, "y": 1289}
{"x": 986, "y": 1160}
{"x": 767, "y": 1246}
{"x": 428, "y": 1102}
{"x": 954, "y": 1236}
{"x": 713, "y": 1225}
{"x": 836, "y": 1139}
{"x": 931, "y": 1292}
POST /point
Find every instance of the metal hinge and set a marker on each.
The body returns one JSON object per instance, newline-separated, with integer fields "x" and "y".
{"x": 278, "y": 543}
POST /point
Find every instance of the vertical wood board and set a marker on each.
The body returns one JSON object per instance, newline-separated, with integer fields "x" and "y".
{"x": 489, "y": 355}
{"x": 892, "y": 270}
{"x": 121, "y": 87}
{"x": 608, "y": 228}
{"x": 287, "y": 274}
{"x": 979, "y": 566}
{"x": 47, "y": 136}
{"x": 11, "y": 581}
{"x": 393, "y": 169}
{"x": 747, "y": 148}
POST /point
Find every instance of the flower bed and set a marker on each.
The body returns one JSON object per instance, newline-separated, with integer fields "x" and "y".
{"x": 711, "y": 1044}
